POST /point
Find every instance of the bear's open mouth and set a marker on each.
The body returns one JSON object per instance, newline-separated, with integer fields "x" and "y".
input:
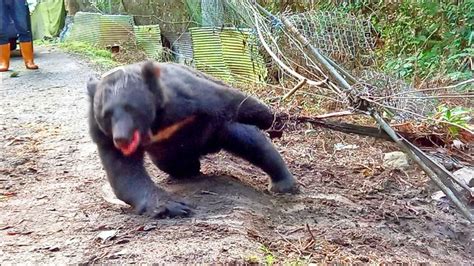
{"x": 130, "y": 147}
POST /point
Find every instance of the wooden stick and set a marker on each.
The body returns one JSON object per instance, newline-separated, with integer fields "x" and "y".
{"x": 347, "y": 128}
{"x": 335, "y": 114}
{"x": 442, "y": 172}
{"x": 297, "y": 87}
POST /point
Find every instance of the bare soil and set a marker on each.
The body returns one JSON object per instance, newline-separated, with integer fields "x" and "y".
{"x": 350, "y": 209}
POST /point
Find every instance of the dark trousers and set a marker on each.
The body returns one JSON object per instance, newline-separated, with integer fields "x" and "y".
{"x": 16, "y": 10}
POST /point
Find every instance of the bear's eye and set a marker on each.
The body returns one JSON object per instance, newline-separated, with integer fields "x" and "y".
{"x": 107, "y": 114}
{"x": 128, "y": 108}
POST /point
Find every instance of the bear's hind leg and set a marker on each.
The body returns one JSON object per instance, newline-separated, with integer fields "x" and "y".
{"x": 249, "y": 143}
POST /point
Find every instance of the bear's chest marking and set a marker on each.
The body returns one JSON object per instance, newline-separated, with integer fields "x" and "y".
{"x": 167, "y": 132}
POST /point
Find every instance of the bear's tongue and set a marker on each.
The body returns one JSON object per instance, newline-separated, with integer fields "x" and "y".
{"x": 129, "y": 148}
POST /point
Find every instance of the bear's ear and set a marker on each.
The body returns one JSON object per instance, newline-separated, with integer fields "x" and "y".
{"x": 92, "y": 86}
{"x": 150, "y": 73}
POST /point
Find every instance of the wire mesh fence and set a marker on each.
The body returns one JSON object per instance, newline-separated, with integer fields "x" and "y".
{"x": 350, "y": 42}
{"x": 346, "y": 39}
{"x": 385, "y": 93}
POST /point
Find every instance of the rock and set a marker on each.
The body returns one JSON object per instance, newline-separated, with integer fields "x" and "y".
{"x": 110, "y": 197}
{"x": 342, "y": 146}
{"x": 53, "y": 249}
{"x": 395, "y": 160}
{"x": 459, "y": 144}
{"x": 438, "y": 196}
{"x": 444, "y": 160}
{"x": 466, "y": 175}
{"x": 107, "y": 235}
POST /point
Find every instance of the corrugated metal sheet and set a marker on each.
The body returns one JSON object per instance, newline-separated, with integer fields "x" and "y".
{"x": 85, "y": 28}
{"x": 208, "y": 55}
{"x": 149, "y": 38}
{"x": 103, "y": 30}
{"x": 239, "y": 56}
{"x": 228, "y": 54}
{"x": 114, "y": 29}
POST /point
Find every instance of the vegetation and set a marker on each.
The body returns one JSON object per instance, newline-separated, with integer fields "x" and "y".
{"x": 456, "y": 118}
{"x": 128, "y": 53}
{"x": 421, "y": 39}
{"x": 425, "y": 43}
{"x": 267, "y": 257}
{"x": 98, "y": 56}
{"x": 425, "y": 39}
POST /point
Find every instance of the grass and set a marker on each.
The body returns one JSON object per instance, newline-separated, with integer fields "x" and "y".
{"x": 266, "y": 257}
{"x": 97, "y": 56}
{"x": 102, "y": 58}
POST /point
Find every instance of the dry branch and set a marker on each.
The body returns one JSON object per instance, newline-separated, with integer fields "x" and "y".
{"x": 336, "y": 114}
{"x": 279, "y": 62}
{"x": 297, "y": 87}
{"x": 315, "y": 54}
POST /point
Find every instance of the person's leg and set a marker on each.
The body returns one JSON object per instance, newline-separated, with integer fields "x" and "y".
{"x": 21, "y": 19}
{"x": 4, "y": 43}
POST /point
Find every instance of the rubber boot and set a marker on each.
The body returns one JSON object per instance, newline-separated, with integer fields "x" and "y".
{"x": 26, "y": 49}
{"x": 4, "y": 57}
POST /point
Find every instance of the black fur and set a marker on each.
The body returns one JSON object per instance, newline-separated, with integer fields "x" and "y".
{"x": 151, "y": 97}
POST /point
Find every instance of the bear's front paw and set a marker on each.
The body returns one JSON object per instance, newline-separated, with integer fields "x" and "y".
{"x": 171, "y": 209}
{"x": 162, "y": 206}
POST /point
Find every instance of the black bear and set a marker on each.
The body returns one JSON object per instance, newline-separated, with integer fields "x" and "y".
{"x": 176, "y": 115}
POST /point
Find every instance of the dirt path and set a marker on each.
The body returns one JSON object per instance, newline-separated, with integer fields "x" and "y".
{"x": 53, "y": 209}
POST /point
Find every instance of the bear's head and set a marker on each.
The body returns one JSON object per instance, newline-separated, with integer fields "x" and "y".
{"x": 125, "y": 103}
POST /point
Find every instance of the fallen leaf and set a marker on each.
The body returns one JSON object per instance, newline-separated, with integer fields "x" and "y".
{"x": 14, "y": 233}
{"x": 102, "y": 227}
{"x": 206, "y": 192}
{"x": 147, "y": 227}
{"x": 458, "y": 144}
{"x": 342, "y": 146}
{"x": 122, "y": 241}
{"x": 118, "y": 254}
{"x": 9, "y": 194}
{"x": 367, "y": 172}
{"x": 5, "y": 227}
